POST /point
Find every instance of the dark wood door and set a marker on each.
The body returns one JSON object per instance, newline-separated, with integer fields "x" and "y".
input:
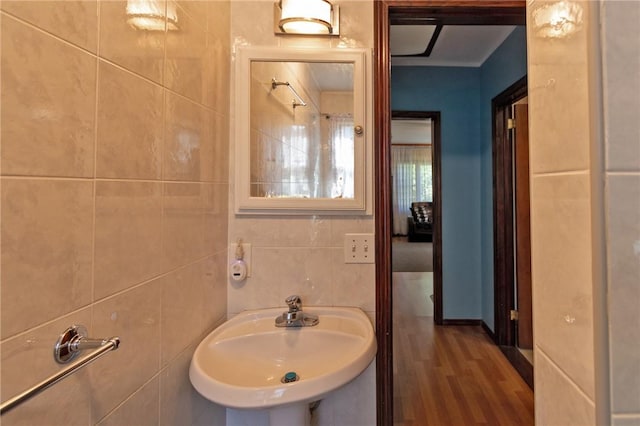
{"x": 523, "y": 228}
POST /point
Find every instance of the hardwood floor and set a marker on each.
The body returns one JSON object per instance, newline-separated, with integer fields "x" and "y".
{"x": 449, "y": 375}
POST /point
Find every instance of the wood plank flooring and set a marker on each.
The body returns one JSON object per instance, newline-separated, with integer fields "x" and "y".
{"x": 450, "y": 375}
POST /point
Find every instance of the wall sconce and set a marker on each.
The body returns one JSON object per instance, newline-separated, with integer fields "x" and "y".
{"x": 149, "y": 15}
{"x": 557, "y": 20}
{"x": 306, "y": 17}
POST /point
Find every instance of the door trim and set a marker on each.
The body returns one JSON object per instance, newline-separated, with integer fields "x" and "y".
{"x": 503, "y": 231}
{"x": 488, "y": 11}
{"x": 383, "y": 220}
{"x": 437, "y": 204}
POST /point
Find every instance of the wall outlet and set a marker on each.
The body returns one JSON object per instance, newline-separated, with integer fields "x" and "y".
{"x": 246, "y": 247}
{"x": 359, "y": 248}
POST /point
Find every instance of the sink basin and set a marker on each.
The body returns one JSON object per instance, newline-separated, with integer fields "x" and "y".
{"x": 241, "y": 363}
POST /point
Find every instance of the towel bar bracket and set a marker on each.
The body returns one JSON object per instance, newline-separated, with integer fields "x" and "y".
{"x": 67, "y": 347}
{"x": 73, "y": 340}
{"x": 298, "y": 101}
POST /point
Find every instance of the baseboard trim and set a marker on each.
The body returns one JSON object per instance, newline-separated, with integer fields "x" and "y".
{"x": 489, "y": 332}
{"x": 519, "y": 363}
{"x": 461, "y": 322}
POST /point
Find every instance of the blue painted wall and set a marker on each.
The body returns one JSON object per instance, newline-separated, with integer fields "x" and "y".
{"x": 455, "y": 92}
{"x": 463, "y": 96}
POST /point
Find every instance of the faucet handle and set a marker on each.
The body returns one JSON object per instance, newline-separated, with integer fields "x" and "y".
{"x": 294, "y": 302}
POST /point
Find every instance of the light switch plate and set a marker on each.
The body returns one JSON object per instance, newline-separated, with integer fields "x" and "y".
{"x": 359, "y": 248}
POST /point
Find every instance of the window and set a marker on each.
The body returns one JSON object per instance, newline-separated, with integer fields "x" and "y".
{"x": 412, "y": 181}
{"x": 411, "y": 167}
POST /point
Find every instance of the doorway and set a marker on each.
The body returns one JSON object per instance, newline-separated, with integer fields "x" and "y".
{"x": 512, "y": 242}
{"x": 431, "y": 230}
{"x": 480, "y": 13}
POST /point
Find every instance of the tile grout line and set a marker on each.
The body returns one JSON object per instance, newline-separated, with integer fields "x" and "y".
{"x": 128, "y": 398}
{"x": 566, "y": 376}
{"x": 622, "y": 173}
{"x": 48, "y": 178}
{"x": 95, "y": 172}
{"x": 43, "y": 31}
{"x": 110, "y": 296}
{"x": 99, "y": 179}
{"x": 99, "y": 58}
{"x": 95, "y": 189}
{"x": 162, "y": 204}
{"x": 578, "y": 172}
{"x": 161, "y": 85}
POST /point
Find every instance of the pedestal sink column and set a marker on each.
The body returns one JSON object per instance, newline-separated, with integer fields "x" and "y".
{"x": 290, "y": 415}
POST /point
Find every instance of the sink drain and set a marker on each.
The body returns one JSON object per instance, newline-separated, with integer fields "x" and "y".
{"x": 289, "y": 377}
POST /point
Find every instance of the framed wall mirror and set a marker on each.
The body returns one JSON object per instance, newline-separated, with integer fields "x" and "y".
{"x": 301, "y": 131}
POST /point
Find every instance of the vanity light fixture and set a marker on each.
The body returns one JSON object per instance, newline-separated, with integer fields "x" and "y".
{"x": 557, "y": 20}
{"x": 306, "y": 17}
{"x": 149, "y": 15}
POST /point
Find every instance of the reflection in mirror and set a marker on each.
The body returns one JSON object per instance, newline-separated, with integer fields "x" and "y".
{"x": 301, "y": 130}
{"x": 301, "y": 136}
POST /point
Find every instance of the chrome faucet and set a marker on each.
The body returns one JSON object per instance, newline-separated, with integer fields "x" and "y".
{"x": 294, "y": 302}
{"x": 294, "y": 317}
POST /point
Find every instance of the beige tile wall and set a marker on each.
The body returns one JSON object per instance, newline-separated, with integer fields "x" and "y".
{"x": 560, "y": 99}
{"x": 114, "y": 160}
{"x": 572, "y": 162}
{"x": 298, "y": 254}
{"x": 621, "y": 72}
{"x": 304, "y": 255}
{"x": 272, "y": 125}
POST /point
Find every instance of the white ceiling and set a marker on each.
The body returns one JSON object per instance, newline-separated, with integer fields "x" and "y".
{"x": 457, "y": 45}
{"x": 411, "y": 131}
{"x": 332, "y": 76}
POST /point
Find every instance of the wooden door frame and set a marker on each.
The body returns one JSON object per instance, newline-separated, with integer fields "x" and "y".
{"x": 468, "y": 11}
{"x": 437, "y": 203}
{"x": 503, "y": 230}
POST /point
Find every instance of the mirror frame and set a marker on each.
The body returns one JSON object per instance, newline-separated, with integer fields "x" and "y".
{"x": 362, "y": 203}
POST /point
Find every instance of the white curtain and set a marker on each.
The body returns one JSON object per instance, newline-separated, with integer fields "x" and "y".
{"x": 412, "y": 181}
{"x": 294, "y": 167}
{"x": 300, "y": 166}
{"x": 339, "y": 181}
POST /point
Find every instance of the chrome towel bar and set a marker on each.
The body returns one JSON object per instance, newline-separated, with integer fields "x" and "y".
{"x": 295, "y": 102}
{"x": 66, "y": 348}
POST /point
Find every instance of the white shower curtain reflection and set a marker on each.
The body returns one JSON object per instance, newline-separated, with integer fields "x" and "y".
{"x": 412, "y": 181}
{"x": 298, "y": 169}
{"x": 339, "y": 179}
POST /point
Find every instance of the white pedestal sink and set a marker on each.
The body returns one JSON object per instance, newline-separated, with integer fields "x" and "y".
{"x": 242, "y": 362}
